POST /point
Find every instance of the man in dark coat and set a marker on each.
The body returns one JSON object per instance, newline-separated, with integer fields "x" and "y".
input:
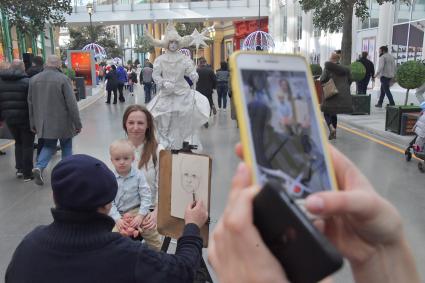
{"x": 112, "y": 84}
{"x": 53, "y": 113}
{"x": 370, "y": 71}
{"x": 14, "y": 110}
{"x": 79, "y": 245}
{"x": 37, "y": 66}
{"x": 207, "y": 82}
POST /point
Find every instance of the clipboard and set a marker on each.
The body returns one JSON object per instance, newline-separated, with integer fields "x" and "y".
{"x": 168, "y": 225}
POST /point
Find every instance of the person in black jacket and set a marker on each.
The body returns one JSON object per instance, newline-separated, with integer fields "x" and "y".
{"x": 79, "y": 245}
{"x": 14, "y": 110}
{"x": 370, "y": 71}
{"x": 207, "y": 82}
{"x": 37, "y": 66}
{"x": 112, "y": 84}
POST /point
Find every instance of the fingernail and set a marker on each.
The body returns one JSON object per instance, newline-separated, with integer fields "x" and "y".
{"x": 315, "y": 203}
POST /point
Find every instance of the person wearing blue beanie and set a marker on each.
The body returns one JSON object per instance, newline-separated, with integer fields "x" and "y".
{"x": 78, "y": 246}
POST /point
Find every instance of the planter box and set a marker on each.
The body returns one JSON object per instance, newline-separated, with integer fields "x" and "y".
{"x": 408, "y": 121}
{"x": 361, "y": 104}
{"x": 394, "y": 114}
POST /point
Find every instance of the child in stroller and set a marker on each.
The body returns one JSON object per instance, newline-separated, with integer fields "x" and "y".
{"x": 418, "y": 143}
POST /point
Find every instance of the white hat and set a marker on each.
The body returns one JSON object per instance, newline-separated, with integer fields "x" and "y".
{"x": 171, "y": 34}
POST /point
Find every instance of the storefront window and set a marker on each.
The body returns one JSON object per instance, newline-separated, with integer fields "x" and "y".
{"x": 284, "y": 23}
{"x": 373, "y": 20}
{"x": 2, "y": 55}
{"x": 418, "y": 10}
{"x": 403, "y": 12}
{"x": 399, "y": 49}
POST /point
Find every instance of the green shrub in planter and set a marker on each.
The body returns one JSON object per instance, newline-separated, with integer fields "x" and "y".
{"x": 316, "y": 70}
{"x": 358, "y": 71}
{"x": 410, "y": 75}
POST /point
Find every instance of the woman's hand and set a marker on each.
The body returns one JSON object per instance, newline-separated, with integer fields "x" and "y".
{"x": 136, "y": 222}
{"x": 122, "y": 225}
{"x": 150, "y": 220}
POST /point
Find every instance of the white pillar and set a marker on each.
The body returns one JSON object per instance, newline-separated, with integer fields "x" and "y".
{"x": 385, "y": 28}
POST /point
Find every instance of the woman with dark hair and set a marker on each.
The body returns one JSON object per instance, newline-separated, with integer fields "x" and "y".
{"x": 222, "y": 75}
{"x": 340, "y": 103}
{"x": 112, "y": 84}
{"x": 138, "y": 125}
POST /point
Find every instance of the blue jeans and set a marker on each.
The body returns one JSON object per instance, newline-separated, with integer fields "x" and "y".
{"x": 385, "y": 90}
{"x": 222, "y": 94}
{"x": 49, "y": 148}
{"x": 148, "y": 91}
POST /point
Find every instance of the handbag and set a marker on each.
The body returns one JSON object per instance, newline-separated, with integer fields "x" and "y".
{"x": 329, "y": 89}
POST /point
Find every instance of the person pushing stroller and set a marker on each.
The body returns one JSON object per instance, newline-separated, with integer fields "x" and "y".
{"x": 418, "y": 142}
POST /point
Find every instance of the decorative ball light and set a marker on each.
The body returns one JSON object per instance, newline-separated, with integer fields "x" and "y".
{"x": 259, "y": 40}
{"x": 186, "y": 52}
{"x": 99, "y": 51}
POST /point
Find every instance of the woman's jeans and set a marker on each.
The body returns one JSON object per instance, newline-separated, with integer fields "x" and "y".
{"x": 222, "y": 95}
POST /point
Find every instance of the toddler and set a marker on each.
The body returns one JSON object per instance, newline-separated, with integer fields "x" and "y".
{"x": 133, "y": 198}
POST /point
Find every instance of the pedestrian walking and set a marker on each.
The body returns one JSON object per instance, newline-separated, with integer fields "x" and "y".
{"x": 207, "y": 82}
{"x": 340, "y": 102}
{"x": 386, "y": 71}
{"x": 112, "y": 84}
{"x": 14, "y": 84}
{"x": 53, "y": 113}
{"x": 370, "y": 71}
{"x": 222, "y": 75}
{"x": 147, "y": 80}
{"x": 122, "y": 80}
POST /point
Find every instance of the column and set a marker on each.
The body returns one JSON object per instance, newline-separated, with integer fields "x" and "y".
{"x": 292, "y": 25}
{"x": 385, "y": 28}
{"x": 8, "y": 42}
{"x": 157, "y": 35}
{"x": 52, "y": 41}
{"x": 218, "y": 39}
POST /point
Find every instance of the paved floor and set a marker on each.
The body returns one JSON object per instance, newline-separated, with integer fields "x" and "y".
{"x": 25, "y": 205}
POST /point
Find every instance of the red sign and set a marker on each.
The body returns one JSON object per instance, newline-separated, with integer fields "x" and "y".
{"x": 81, "y": 64}
{"x": 245, "y": 28}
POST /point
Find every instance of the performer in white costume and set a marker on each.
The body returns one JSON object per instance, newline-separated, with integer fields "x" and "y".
{"x": 178, "y": 110}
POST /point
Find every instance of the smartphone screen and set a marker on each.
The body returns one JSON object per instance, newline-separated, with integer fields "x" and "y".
{"x": 282, "y": 118}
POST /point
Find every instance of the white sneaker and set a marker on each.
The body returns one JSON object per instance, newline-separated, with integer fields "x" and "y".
{"x": 38, "y": 176}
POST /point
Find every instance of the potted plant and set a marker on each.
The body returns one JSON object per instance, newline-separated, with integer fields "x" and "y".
{"x": 361, "y": 103}
{"x": 409, "y": 75}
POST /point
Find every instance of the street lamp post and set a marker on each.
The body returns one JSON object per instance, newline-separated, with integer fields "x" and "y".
{"x": 90, "y": 12}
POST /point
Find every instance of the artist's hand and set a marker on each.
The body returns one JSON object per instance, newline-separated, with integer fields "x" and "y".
{"x": 196, "y": 214}
{"x": 136, "y": 222}
{"x": 194, "y": 77}
{"x": 150, "y": 220}
{"x": 236, "y": 250}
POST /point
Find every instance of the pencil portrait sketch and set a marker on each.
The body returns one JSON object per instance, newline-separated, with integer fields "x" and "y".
{"x": 189, "y": 182}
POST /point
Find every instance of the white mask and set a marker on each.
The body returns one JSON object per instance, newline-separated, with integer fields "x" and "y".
{"x": 173, "y": 46}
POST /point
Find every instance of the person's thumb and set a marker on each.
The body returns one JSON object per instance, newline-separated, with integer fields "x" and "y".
{"x": 359, "y": 204}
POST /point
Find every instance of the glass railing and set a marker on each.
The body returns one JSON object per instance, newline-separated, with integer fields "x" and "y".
{"x": 79, "y": 4}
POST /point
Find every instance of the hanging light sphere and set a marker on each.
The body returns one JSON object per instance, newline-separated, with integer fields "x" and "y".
{"x": 185, "y": 52}
{"x": 259, "y": 40}
{"x": 99, "y": 51}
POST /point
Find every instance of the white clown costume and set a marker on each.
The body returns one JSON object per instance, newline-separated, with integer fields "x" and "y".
{"x": 178, "y": 110}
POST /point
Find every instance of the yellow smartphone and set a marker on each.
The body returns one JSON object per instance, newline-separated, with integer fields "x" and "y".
{"x": 280, "y": 123}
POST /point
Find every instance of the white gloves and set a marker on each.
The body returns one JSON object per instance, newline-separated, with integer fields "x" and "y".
{"x": 168, "y": 85}
{"x": 194, "y": 77}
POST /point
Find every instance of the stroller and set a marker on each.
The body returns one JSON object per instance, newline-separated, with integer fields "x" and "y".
{"x": 417, "y": 145}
